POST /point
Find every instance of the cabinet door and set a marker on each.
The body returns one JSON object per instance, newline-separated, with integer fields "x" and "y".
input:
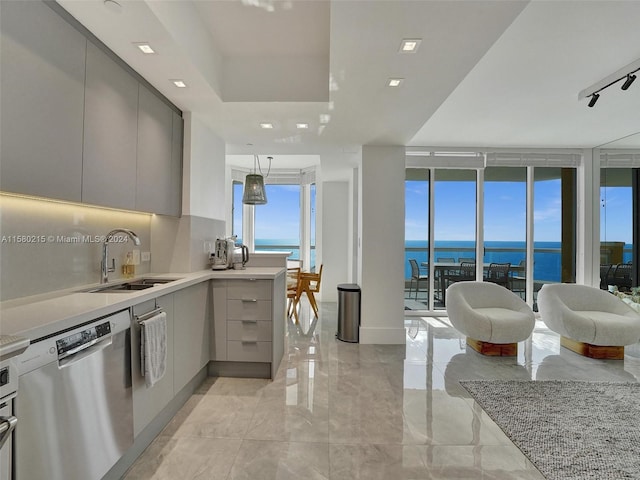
{"x": 149, "y": 402}
{"x": 219, "y": 331}
{"x": 191, "y": 333}
{"x": 175, "y": 191}
{"x": 154, "y": 181}
{"x": 41, "y": 106}
{"x": 110, "y": 133}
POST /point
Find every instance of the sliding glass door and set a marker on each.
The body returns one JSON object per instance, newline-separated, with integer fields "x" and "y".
{"x": 445, "y": 200}
{"x": 505, "y": 222}
{"x": 616, "y": 227}
{"x": 416, "y": 234}
{"x": 454, "y": 227}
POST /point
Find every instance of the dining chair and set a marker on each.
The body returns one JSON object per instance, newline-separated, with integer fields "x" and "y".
{"x": 417, "y": 277}
{"x": 293, "y": 291}
{"x": 621, "y": 277}
{"x": 499, "y": 273}
{"x": 518, "y": 279}
{"x": 310, "y": 284}
{"x": 605, "y": 273}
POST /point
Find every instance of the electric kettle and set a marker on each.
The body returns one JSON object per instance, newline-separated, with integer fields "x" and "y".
{"x": 240, "y": 256}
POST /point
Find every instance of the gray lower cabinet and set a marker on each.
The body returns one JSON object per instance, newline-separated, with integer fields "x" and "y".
{"x": 155, "y": 179}
{"x": 42, "y": 65}
{"x": 248, "y": 319}
{"x": 192, "y": 327}
{"x": 149, "y": 402}
{"x": 110, "y": 133}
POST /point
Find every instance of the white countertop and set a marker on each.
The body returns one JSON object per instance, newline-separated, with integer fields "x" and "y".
{"x": 42, "y": 315}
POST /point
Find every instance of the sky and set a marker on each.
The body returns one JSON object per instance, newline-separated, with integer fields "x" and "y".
{"x": 279, "y": 219}
{"x": 504, "y": 215}
{"x": 505, "y": 211}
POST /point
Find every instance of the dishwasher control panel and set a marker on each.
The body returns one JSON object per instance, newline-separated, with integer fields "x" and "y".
{"x": 72, "y": 342}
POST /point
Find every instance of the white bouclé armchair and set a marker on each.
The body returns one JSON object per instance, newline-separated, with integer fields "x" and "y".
{"x": 591, "y": 322}
{"x": 493, "y": 318}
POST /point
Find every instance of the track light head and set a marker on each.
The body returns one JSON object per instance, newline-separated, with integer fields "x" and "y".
{"x": 594, "y": 99}
{"x": 627, "y": 83}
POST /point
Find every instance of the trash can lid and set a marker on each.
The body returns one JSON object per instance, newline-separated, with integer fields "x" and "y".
{"x": 348, "y": 287}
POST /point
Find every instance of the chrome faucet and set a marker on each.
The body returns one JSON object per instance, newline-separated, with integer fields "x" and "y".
{"x": 104, "y": 267}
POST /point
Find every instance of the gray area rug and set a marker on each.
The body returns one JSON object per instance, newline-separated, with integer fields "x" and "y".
{"x": 569, "y": 430}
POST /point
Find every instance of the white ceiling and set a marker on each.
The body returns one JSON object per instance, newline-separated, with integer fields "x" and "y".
{"x": 488, "y": 73}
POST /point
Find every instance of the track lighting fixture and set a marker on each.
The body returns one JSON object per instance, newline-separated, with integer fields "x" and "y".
{"x": 626, "y": 75}
{"x": 627, "y": 83}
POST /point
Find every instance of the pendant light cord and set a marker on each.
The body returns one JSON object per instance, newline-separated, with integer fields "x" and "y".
{"x": 255, "y": 157}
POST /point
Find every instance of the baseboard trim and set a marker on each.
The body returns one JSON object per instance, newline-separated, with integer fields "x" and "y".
{"x": 240, "y": 369}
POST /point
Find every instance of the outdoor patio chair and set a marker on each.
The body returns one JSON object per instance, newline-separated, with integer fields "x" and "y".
{"x": 417, "y": 277}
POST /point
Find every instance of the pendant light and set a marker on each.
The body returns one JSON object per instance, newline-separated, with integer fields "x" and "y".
{"x": 254, "y": 192}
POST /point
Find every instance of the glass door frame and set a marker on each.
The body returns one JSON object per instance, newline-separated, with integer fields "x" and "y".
{"x": 570, "y": 161}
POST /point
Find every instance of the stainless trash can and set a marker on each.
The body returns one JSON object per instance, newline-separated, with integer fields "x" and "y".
{"x": 348, "y": 312}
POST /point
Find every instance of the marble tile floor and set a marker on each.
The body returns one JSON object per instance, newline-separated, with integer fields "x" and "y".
{"x": 345, "y": 411}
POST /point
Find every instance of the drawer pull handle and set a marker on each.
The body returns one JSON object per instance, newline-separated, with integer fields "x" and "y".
{"x": 252, "y": 342}
{"x": 249, "y": 321}
{"x": 252, "y": 300}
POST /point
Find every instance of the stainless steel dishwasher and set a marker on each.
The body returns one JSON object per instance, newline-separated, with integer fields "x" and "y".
{"x": 75, "y": 404}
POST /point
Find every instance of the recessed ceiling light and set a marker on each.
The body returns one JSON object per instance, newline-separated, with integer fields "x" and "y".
{"x": 145, "y": 48}
{"x": 266, "y": 125}
{"x": 395, "y": 82}
{"x": 179, "y": 83}
{"x": 302, "y": 125}
{"x": 410, "y": 45}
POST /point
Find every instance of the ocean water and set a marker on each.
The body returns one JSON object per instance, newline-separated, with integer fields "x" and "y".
{"x": 284, "y": 245}
{"x": 546, "y": 255}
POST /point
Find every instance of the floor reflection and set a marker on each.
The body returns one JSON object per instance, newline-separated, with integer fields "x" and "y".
{"x": 338, "y": 410}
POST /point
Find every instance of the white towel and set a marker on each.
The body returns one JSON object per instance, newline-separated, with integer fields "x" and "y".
{"x": 153, "y": 351}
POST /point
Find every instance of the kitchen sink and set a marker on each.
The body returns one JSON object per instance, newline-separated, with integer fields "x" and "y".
{"x": 133, "y": 286}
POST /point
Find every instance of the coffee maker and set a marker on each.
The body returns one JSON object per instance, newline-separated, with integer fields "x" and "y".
{"x": 222, "y": 257}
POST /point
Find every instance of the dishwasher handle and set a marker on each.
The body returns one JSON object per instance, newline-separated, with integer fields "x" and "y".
{"x": 7, "y": 425}
{"x": 84, "y": 351}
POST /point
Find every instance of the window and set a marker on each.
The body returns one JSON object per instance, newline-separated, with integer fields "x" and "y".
{"x": 312, "y": 235}
{"x": 277, "y": 224}
{"x": 442, "y": 205}
{"x": 236, "y": 212}
{"x": 616, "y": 225}
{"x": 416, "y": 235}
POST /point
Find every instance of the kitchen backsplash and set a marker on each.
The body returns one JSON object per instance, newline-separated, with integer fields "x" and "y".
{"x": 47, "y": 246}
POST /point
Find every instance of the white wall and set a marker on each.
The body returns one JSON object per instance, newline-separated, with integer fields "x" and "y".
{"x": 203, "y": 191}
{"x": 335, "y": 238}
{"x": 381, "y": 231}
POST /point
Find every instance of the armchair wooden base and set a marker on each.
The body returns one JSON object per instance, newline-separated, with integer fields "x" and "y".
{"x": 493, "y": 349}
{"x": 601, "y": 352}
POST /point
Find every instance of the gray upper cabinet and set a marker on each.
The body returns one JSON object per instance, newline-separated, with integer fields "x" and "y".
{"x": 41, "y": 107}
{"x": 176, "y": 165}
{"x": 153, "y": 184}
{"x": 110, "y": 133}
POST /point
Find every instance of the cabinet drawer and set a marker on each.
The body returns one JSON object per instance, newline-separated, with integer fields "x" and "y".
{"x": 248, "y": 351}
{"x": 248, "y": 310}
{"x": 249, "y": 289}
{"x": 249, "y": 331}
